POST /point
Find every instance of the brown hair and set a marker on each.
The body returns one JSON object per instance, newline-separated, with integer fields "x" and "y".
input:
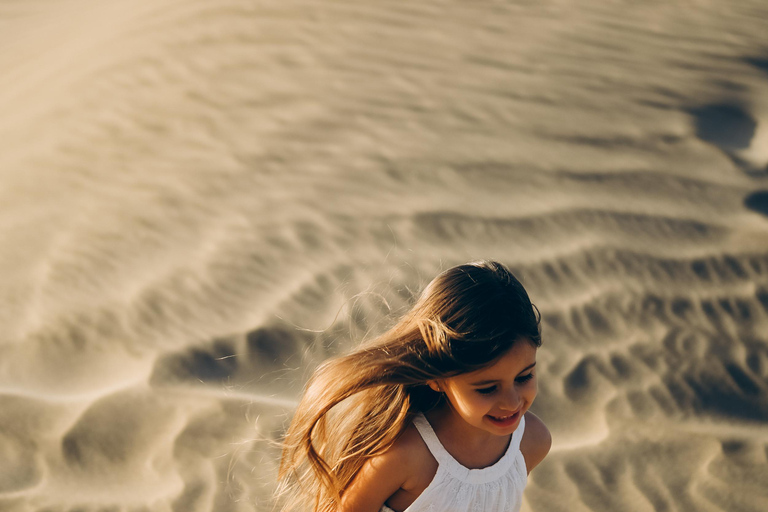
{"x": 355, "y": 406}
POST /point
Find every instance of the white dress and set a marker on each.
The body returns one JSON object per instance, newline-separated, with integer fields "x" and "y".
{"x": 455, "y": 488}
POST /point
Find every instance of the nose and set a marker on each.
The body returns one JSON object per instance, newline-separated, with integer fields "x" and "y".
{"x": 512, "y": 400}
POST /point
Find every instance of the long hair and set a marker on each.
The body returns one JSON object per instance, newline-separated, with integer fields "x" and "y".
{"x": 355, "y": 406}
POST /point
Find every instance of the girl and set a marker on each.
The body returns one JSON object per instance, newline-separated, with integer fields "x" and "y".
{"x": 430, "y": 416}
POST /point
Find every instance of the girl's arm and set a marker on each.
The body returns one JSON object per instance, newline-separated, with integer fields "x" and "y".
{"x": 536, "y": 441}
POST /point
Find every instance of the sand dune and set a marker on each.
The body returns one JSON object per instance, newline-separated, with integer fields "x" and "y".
{"x": 202, "y": 200}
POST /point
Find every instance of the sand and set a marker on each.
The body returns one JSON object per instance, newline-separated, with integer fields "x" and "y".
{"x": 203, "y": 199}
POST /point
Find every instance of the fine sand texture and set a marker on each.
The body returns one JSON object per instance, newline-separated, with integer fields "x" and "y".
{"x": 201, "y": 200}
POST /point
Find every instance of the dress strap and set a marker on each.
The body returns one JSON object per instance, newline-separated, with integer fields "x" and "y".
{"x": 434, "y": 445}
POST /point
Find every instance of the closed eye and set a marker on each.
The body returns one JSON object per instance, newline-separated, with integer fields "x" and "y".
{"x": 486, "y": 391}
{"x": 524, "y": 378}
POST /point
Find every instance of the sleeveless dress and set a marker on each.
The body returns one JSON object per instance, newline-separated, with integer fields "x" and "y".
{"x": 455, "y": 488}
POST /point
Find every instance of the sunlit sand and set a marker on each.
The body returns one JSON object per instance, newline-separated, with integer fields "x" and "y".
{"x": 202, "y": 200}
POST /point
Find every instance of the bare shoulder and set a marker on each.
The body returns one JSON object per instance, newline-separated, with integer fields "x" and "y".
{"x": 416, "y": 462}
{"x": 536, "y": 441}
{"x": 387, "y": 474}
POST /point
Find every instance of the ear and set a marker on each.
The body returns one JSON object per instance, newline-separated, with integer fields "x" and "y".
{"x": 434, "y": 385}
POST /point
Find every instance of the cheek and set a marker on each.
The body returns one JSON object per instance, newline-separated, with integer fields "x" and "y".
{"x": 481, "y": 403}
{"x": 469, "y": 403}
{"x": 532, "y": 390}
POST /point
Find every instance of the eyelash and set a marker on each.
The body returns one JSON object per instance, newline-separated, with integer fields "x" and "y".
{"x": 520, "y": 380}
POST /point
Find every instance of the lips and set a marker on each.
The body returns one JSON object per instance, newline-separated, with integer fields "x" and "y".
{"x": 504, "y": 421}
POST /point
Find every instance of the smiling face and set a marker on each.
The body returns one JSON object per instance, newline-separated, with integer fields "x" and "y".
{"x": 494, "y": 398}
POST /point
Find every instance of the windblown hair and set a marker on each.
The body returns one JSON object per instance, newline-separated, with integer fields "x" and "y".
{"x": 355, "y": 406}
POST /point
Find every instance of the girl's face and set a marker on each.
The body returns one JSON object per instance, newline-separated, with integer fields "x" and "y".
{"x": 494, "y": 398}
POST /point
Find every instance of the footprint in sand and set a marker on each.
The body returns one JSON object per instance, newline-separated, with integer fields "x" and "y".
{"x": 758, "y": 202}
{"x": 737, "y": 131}
{"x": 729, "y": 127}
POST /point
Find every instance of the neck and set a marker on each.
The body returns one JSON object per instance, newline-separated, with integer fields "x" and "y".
{"x": 449, "y": 426}
{"x": 471, "y": 447}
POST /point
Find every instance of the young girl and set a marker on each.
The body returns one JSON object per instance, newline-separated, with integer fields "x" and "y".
{"x": 430, "y": 416}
